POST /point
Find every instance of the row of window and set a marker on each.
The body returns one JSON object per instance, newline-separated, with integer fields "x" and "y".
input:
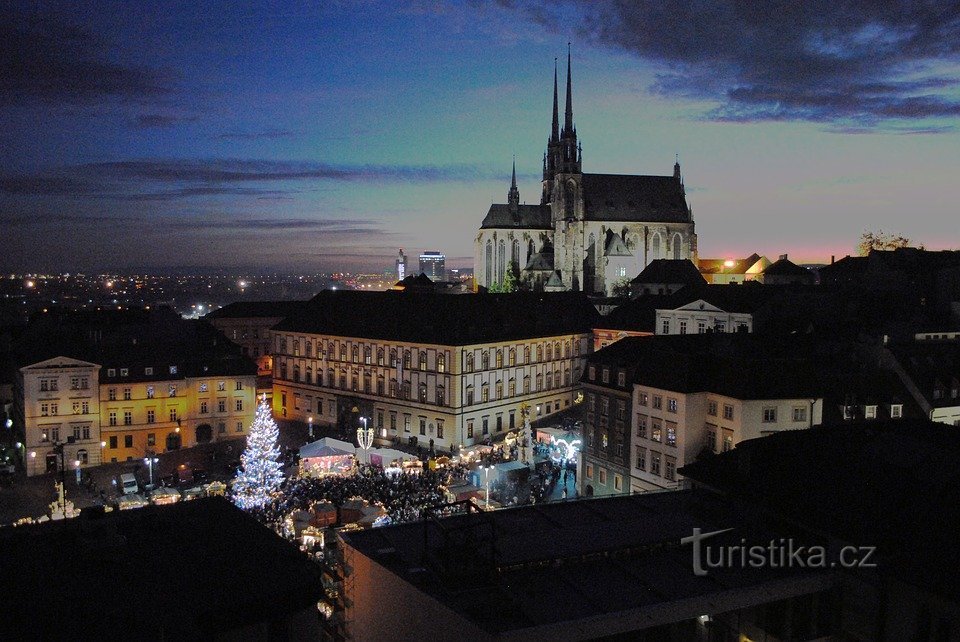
{"x": 52, "y": 433}
{"x": 710, "y": 438}
{"x": 605, "y": 375}
{"x": 393, "y": 416}
{"x": 602, "y": 477}
{"x": 366, "y": 356}
{"x": 660, "y": 431}
{"x": 658, "y": 464}
{"x": 148, "y": 371}
{"x": 498, "y": 390}
{"x": 605, "y": 406}
{"x": 554, "y": 350}
{"x": 656, "y": 402}
{"x": 718, "y": 326}
{"x": 52, "y": 383}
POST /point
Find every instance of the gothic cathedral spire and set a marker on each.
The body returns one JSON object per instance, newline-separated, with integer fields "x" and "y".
{"x": 513, "y": 196}
{"x": 568, "y": 116}
{"x": 555, "y": 132}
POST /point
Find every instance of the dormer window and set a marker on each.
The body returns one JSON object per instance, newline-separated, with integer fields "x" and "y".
{"x": 593, "y": 373}
{"x": 111, "y": 372}
{"x": 124, "y": 372}
{"x": 173, "y": 369}
{"x": 847, "y": 413}
{"x": 148, "y": 371}
{"x": 870, "y": 412}
{"x": 896, "y": 411}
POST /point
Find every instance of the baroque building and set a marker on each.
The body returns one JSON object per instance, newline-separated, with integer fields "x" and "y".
{"x": 589, "y": 231}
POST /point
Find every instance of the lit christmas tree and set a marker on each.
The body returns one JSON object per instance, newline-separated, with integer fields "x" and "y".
{"x": 260, "y": 473}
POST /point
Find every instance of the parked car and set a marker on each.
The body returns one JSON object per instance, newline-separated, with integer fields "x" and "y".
{"x": 128, "y": 484}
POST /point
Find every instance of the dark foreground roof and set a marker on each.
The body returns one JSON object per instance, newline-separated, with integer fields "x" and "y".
{"x": 617, "y": 560}
{"x": 892, "y": 484}
{"x": 738, "y": 365}
{"x": 444, "y": 320}
{"x": 186, "y": 571}
{"x": 622, "y": 197}
{"x": 670, "y": 271}
{"x": 248, "y": 309}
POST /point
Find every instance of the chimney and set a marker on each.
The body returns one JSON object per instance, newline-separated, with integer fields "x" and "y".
{"x": 833, "y": 259}
{"x": 783, "y": 257}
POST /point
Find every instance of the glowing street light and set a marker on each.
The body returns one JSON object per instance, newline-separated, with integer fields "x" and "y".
{"x": 365, "y": 439}
{"x": 310, "y": 423}
{"x": 486, "y": 482}
{"x": 150, "y": 461}
{"x": 76, "y": 465}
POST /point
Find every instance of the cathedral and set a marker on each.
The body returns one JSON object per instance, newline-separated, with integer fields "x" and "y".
{"x": 589, "y": 231}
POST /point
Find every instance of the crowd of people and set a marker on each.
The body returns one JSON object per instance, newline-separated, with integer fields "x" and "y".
{"x": 404, "y": 495}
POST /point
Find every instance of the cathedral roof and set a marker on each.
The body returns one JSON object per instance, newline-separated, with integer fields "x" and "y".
{"x": 526, "y": 216}
{"x": 620, "y": 197}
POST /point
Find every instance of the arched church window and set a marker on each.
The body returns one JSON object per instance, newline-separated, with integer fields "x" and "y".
{"x": 677, "y": 246}
{"x": 488, "y": 264}
{"x": 515, "y": 252}
{"x": 501, "y": 261}
{"x": 655, "y": 246}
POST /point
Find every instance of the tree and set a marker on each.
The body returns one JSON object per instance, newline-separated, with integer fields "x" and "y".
{"x": 260, "y": 473}
{"x": 880, "y": 240}
{"x": 511, "y": 278}
{"x": 622, "y": 288}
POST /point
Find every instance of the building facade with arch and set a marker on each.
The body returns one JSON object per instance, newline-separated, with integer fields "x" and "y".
{"x": 589, "y": 231}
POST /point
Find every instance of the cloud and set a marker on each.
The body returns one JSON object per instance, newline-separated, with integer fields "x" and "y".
{"x": 160, "y": 121}
{"x": 43, "y": 59}
{"x": 159, "y": 180}
{"x": 270, "y": 134}
{"x": 858, "y": 64}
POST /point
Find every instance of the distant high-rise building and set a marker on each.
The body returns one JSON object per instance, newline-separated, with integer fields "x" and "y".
{"x": 433, "y": 264}
{"x": 401, "y": 265}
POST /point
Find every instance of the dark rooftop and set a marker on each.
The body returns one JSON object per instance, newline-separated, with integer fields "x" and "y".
{"x": 444, "y": 320}
{"x": 670, "y": 271}
{"x": 891, "y": 484}
{"x": 254, "y": 309}
{"x": 622, "y": 197}
{"x": 135, "y": 340}
{"x": 738, "y": 365}
{"x": 186, "y": 571}
{"x": 564, "y": 561}
{"x": 526, "y": 216}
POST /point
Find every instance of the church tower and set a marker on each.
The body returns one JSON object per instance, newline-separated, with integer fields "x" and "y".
{"x": 513, "y": 196}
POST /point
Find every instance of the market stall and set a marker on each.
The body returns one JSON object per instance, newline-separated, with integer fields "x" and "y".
{"x": 327, "y": 457}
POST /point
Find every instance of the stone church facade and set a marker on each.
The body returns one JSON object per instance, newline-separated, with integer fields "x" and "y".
{"x": 589, "y": 230}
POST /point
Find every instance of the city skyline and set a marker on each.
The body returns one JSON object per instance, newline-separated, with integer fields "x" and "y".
{"x": 325, "y": 139}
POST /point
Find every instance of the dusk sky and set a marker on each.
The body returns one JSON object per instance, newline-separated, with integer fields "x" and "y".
{"x": 322, "y": 136}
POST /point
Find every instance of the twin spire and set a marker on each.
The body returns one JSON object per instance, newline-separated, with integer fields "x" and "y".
{"x": 568, "y": 115}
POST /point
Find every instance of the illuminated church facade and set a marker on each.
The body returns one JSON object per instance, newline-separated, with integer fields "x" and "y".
{"x": 589, "y": 231}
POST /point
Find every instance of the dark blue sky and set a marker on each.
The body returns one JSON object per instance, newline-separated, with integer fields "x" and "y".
{"x": 324, "y": 136}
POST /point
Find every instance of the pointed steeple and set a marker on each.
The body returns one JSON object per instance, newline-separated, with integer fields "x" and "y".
{"x": 568, "y": 117}
{"x": 555, "y": 132}
{"x": 676, "y": 168}
{"x": 513, "y": 196}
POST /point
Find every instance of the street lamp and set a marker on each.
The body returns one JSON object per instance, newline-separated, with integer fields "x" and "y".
{"x": 76, "y": 465}
{"x": 486, "y": 481}
{"x": 103, "y": 445}
{"x": 310, "y": 422}
{"x": 365, "y": 438}
{"x": 150, "y": 461}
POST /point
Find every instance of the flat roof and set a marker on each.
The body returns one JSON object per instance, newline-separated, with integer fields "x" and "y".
{"x": 568, "y": 561}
